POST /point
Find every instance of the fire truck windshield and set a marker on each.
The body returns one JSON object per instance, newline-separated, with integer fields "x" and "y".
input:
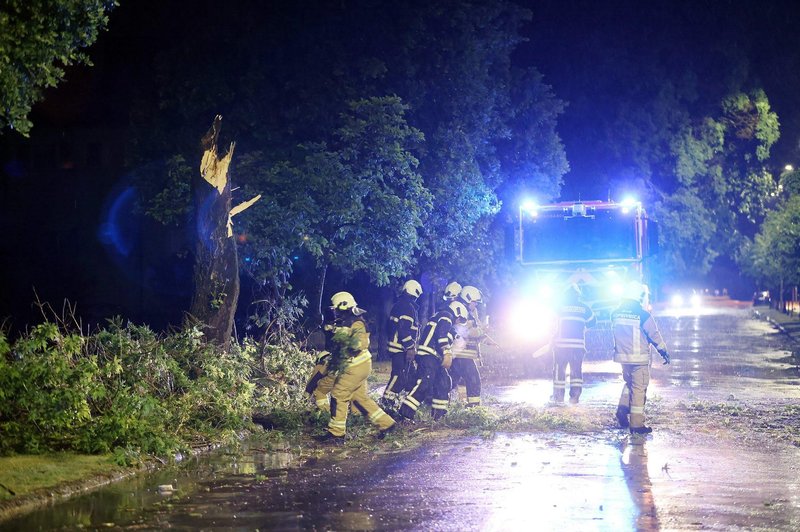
{"x": 608, "y": 235}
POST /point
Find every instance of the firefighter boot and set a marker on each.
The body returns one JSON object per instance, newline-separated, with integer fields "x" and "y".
{"x": 622, "y": 416}
{"x": 329, "y": 439}
{"x": 383, "y": 433}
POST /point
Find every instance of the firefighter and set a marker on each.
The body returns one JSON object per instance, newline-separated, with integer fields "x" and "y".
{"x": 569, "y": 344}
{"x": 351, "y": 362}
{"x": 467, "y": 347}
{"x": 434, "y": 358}
{"x": 451, "y": 292}
{"x": 321, "y": 382}
{"x": 634, "y": 331}
{"x": 402, "y": 345}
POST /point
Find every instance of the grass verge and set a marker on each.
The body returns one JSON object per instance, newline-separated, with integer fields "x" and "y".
{"x": 27, "y": 474}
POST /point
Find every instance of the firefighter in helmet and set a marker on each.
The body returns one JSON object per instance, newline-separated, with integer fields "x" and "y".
{"x": 351, "y": 363}
{"x": 434, "y": 358}
{"x": 403, "y": 330}
{"x": 635, "y": 331}
{"x": 569, "y": 344}
{"x": 451, "y": 292}
{"x": 467, "y": 347}
{"x": 321, "y": 382}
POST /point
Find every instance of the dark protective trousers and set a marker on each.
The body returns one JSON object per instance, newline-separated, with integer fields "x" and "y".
{"x": 431, "y": 380}
{"x": 572, "y": 357}
{"x": 467, "y": 369}
{"x": 402, "y": 373}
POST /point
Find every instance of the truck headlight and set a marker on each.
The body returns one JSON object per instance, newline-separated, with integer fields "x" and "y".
{"x": 531, "y": 321}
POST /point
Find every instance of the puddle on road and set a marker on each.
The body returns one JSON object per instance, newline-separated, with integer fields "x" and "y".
{"x": 508, "y": 482}
{"x": 716, "y": 355}
{"x": 121, "y": 503}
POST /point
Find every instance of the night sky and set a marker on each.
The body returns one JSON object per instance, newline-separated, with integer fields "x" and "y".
{"x": 56, "y": 206}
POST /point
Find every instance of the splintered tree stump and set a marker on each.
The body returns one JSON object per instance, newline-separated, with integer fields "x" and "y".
{"x": 216, "y": 268}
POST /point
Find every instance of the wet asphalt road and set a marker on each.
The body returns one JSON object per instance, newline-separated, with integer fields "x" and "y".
{"x": 685, "y": 477}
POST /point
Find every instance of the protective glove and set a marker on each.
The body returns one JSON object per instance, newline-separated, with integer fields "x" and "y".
{"x": 447, "y": 361}
{"x": 411, "y": 352}
{"x": 665, "y": 356}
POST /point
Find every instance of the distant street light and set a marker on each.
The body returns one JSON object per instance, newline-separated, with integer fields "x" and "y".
{"x": 788, "y": 168}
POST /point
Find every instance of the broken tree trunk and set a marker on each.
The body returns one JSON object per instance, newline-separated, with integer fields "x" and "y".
{"x": 216, "y": 267}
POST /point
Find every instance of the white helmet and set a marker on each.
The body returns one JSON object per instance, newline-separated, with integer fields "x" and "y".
{"x": 412, "y": 288}
{"x": 345, "y": 301}
{"x": 451, "y": 291}
{"x": 458, "y": 308}
{"x": 470, "y": 294}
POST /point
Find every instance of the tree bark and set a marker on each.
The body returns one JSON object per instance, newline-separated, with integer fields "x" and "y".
{"x": 216, "y": 267}
{"x": 323, "y": 271}
{"x": 387, "y": 299}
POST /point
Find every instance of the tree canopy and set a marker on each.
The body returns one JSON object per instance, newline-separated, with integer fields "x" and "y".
{"x": 773, "y": 259}
{"x": 724, "y": 182}
{"x": 355, "y": 204}
{"x": 38, "y": 39}
{"x": 384, "y": 138}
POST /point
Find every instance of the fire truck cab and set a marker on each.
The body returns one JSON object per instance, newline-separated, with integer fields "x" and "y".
{"x": 600, "y": 246}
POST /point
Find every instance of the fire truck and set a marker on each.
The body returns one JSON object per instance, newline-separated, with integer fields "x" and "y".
{"x": 600, "y": 246}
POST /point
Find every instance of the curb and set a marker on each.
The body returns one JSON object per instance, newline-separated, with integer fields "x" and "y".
{"x": 32, "y": 501}
{"x": 780, "y": 329}
{"x": 43, "y": 497}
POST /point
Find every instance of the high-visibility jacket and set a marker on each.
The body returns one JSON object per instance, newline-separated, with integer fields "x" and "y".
{"x": 573, "y": 319}
{"x": 437, "y": 337}
{"x": 358, "y": 353}
{"x": 634, "y": 331}
{"x": 403, "y": 325}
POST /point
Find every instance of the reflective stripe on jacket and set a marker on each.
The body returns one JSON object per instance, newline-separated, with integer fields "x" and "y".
{"x": 437, "y": 337}
{"x": 573, "y": 319}
{"x": 467, "y": 341}
{"x": 634, "y": 331}
{"x": 403, "y": 328}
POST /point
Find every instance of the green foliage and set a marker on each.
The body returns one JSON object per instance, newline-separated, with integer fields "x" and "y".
{"x": 687, "y": 228}
{"x": 346, "y": 344}
{"x": 790, "y": 183}
{"x": 123, "y": 389}
{"x": 172, "y": 203}
{"x": 489, "y": 128}
{"x": 278, "y": 317}
{"x": 38, "y": 39}
{"x": 355, "y": 204}
{"x": 724, "y": 185}
{"x": 773, "y": 258}
{"x": 478, "y": 418}
{"x": 361, "y": 140}
{"x": 281, "y": 373}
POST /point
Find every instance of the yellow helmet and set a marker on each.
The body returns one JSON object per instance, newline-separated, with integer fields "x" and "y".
{"x": 345, "y": 301}
{"x": 451, "y": 291}
{"x": 470, "y": 294}
{"x": 413, "y": 288}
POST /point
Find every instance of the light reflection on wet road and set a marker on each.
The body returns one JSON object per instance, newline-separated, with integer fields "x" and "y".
{"x": 680, "y": 479}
